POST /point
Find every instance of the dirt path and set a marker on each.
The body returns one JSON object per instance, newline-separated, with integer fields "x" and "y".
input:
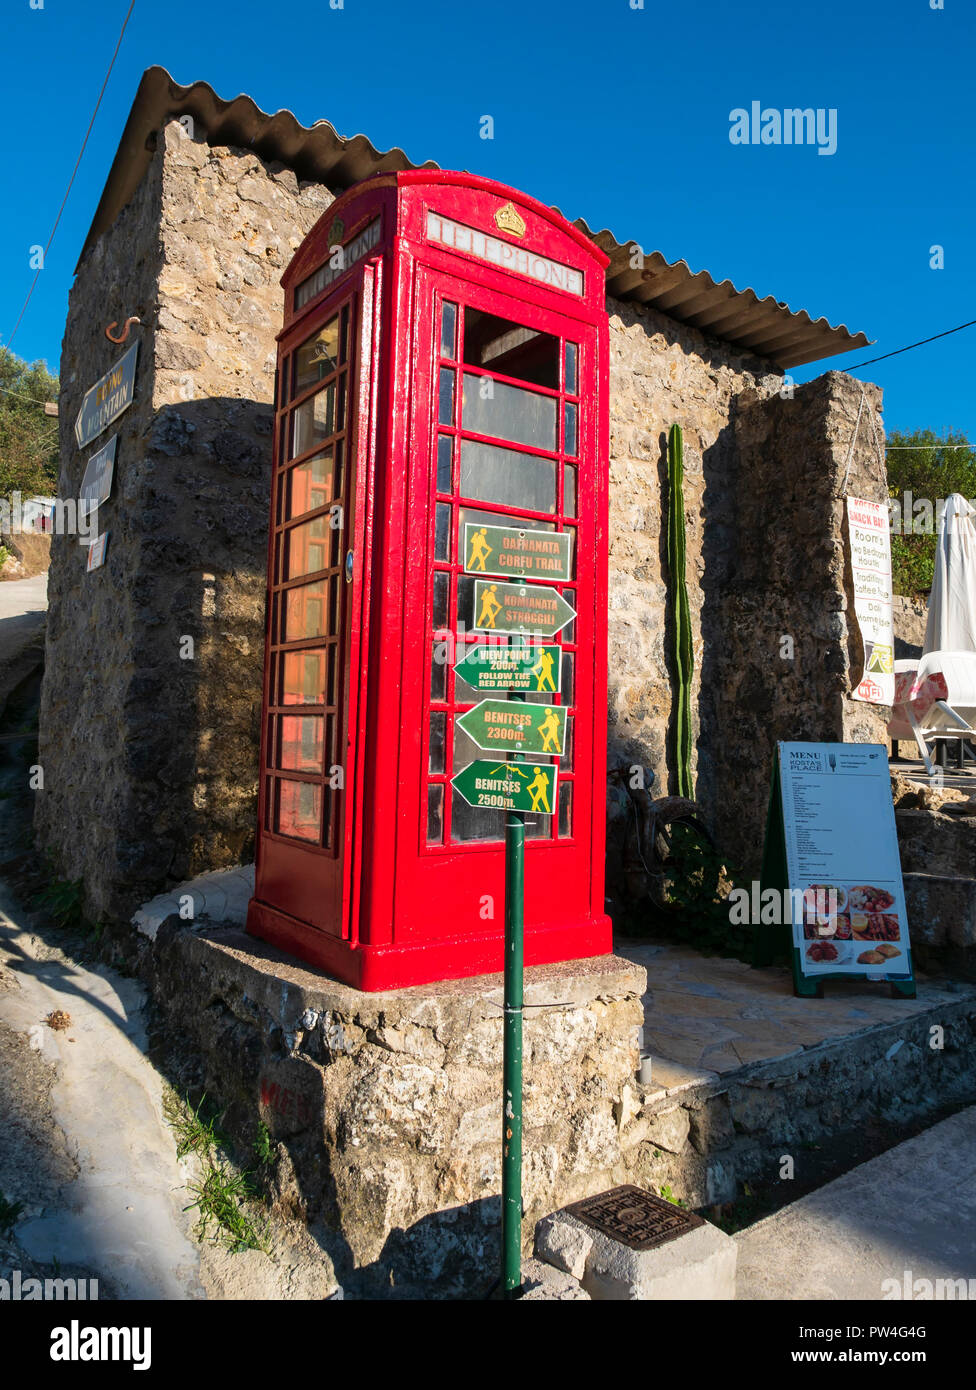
{"x": 86, "y": 1150}
{"x": 109, "y": 1192}
{"x": 19, "y": 597}
{"x": 23, "y": 613}
{"x": 90, "y": 1182}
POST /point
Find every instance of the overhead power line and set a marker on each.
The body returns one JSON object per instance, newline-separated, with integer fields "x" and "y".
{"x": 73, "y": 173}
{"x": 921, "y": 343}
{"x": 21, "y": 397}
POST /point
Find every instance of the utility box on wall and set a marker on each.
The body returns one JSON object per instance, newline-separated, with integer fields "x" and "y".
{"x": 441, "y": 409}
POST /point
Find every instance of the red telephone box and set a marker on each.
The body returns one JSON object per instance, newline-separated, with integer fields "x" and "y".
{"x": 443, "y": 362}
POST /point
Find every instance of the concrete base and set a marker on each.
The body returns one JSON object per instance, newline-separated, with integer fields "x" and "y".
{"x": 544, "y": 1284}
{"x": 699, "y": 1265}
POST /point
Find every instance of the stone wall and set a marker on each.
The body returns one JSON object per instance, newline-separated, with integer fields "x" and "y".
{"x": 938, "y": 860}
{"x": 706, "y": 1139}
{"x": 384, "y": 1110}
{"x": 663, "y": 373}
{"x": 150, "y": 752}
{"x": 93, "y": 620}
{"x": 787, "y": 652}
{"x": 910, "y": 615}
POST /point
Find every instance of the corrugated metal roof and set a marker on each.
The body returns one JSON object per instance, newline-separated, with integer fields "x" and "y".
{"x": 766, "y": 327}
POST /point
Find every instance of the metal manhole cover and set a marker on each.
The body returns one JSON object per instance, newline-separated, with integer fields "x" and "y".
{"x": 635, "y": 1217}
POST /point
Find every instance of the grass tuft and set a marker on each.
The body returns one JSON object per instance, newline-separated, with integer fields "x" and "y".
{"x": 223, "y": 1195}
{"x": 62, "y": 899}
{"x": 9, "y": 1215}
{"x": 222, "y": 1198}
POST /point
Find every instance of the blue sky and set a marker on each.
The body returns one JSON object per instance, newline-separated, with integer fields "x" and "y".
{"x": 620, "y": 115}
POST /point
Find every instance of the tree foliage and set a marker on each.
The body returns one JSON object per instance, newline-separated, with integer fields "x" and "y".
{"x": 923, "y": 469}
{"x": 28, "y": 437}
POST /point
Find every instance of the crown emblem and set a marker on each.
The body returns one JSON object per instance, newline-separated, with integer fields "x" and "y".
{"x": 507, "y": 219}
{"x": 337, "y": 231}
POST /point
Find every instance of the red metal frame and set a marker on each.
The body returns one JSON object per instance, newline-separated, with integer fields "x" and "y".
{"x": 381, "y": 906}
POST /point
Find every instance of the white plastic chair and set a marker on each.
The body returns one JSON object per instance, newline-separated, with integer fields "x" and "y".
{"x": 943, "y": 708}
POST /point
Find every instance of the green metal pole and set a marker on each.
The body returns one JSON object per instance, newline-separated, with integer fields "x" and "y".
{"x": 512, "y": 1055}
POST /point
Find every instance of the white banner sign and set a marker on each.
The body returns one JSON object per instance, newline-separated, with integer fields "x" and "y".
{"x": 869, "y": 531}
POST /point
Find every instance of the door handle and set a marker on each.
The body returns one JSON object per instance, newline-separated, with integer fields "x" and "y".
{"x": 348, "y": 566}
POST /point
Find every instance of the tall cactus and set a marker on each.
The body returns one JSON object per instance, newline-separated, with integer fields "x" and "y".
{"x": 684, "y": 654}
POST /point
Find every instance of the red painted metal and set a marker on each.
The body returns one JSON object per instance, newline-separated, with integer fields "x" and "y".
{"x": 349, "y": 877}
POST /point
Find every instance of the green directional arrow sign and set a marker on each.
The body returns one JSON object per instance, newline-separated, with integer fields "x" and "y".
{"x": 535, "y": 669}
{"x": 510, "y": 786}
{"x": 519, "y": 608}
{"x": 515, "y": 727}
{"x": 506, "y": 550}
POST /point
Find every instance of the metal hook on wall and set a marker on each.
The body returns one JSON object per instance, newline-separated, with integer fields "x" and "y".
{"x": 125, "y": 330}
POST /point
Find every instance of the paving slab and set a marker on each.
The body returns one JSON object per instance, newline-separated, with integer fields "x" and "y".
{"x": 890, "y": 1229}
{"x": 706, "y": 1016}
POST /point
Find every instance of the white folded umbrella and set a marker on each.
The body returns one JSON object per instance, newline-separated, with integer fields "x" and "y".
{"x": 951, "y": 624}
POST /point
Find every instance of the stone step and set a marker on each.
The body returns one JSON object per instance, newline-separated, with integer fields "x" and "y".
{"x": 901, "y": 1226}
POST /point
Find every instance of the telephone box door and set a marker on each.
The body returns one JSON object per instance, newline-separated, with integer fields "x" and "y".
{"x": 505, "y": 435}
{"x": 315, "y": 600}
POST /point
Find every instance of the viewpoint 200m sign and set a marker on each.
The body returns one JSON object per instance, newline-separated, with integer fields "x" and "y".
{"x": 107, "y": 399}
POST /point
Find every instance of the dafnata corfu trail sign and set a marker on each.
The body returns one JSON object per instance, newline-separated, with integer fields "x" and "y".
{"x": 530, "y": 554}
{"x": 515, "y": 726}
{"x": 508, "y": 786}
{"x": 107, "y": 399}
{"x": 520, "y": 608}
{"x": 536, "y": 670}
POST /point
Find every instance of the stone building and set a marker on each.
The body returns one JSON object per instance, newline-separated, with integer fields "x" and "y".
{"x": 151, "y": 759}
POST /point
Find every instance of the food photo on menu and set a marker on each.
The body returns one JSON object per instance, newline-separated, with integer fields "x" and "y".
{"x": 852, "y": 927}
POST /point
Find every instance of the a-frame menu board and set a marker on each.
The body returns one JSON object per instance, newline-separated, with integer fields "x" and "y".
{"x": 831, "y": 855}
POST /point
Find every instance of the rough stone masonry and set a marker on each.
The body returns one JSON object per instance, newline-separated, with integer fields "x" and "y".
{"x": 150, "y": 747}
{"x": 384, "y": 1109}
